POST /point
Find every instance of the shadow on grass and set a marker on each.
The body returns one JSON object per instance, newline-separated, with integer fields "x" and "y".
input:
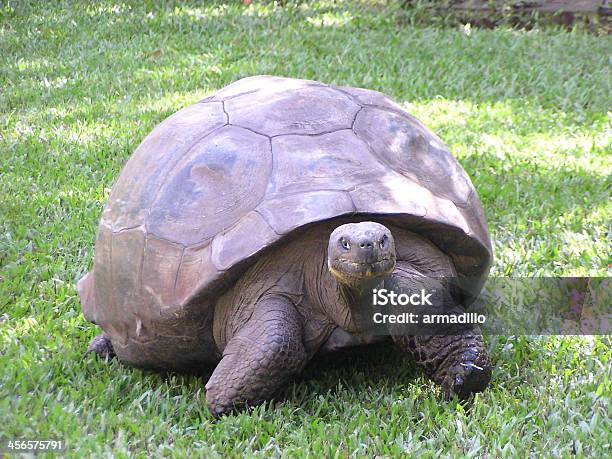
{"x": 379, "y": 361}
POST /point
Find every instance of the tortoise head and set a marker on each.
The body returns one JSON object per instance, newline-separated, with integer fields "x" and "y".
{"x": 359, "y": 253}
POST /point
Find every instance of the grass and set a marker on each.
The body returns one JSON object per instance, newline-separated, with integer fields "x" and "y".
{"x": 526, "y": 113}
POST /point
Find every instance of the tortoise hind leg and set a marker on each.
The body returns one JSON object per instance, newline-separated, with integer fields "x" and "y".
{"x": 260, "y": 358}
{"x": 102, "y": 346}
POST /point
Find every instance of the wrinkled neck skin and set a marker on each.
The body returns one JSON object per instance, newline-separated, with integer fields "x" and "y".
{"x": 358, "y": 295}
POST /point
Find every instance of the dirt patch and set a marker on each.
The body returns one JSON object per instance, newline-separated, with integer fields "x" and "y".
{"x": 542, "y": 6}
{"x": 591, "y": 15}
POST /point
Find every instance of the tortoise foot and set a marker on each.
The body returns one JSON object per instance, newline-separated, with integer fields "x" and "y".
{"x": 458, "y": 363}
{"x": 102, "y": 346}
{"x": 471, "y": 374}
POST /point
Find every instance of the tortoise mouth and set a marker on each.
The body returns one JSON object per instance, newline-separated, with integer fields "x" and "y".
{"x": 351, "y": 271}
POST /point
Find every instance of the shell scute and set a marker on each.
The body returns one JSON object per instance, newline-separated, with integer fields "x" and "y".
{"x": 149, "y": 165}
{"x": 287, "y": 213}
{"x": 298, "y": 111}
{"x": 410, "y": 149}
{"x": 334, "y": 161}
{"x": 206, "y": 192}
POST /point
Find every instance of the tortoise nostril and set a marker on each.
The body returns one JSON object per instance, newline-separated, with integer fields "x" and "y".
{"x": 366, "y": 245}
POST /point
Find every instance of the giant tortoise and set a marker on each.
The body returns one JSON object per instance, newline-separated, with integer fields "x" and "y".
{"x": 247, "y": 230}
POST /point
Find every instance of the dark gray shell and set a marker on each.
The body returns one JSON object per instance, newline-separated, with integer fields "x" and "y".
{"x": 219, "y": 181}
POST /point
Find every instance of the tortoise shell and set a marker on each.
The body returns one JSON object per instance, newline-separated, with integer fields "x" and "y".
{"x": 218, "y": 182}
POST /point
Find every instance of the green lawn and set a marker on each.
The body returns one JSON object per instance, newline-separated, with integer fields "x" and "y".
{"x": 526, "y": 113}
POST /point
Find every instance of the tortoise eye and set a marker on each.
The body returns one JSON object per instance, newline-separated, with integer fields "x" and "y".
{"x": 383, "y": 242}
{"x": 345, "y": 243}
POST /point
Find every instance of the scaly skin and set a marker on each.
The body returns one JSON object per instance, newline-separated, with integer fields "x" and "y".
{"x": 458, "y": 363}
{"x": 260, "y": 359}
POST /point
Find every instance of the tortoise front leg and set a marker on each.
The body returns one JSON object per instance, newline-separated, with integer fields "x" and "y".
{"x": 458, "y": 361}
{"x": 260, "y": 358}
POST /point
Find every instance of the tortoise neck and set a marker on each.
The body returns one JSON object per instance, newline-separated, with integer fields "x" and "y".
{"x": 358, "y": 298}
